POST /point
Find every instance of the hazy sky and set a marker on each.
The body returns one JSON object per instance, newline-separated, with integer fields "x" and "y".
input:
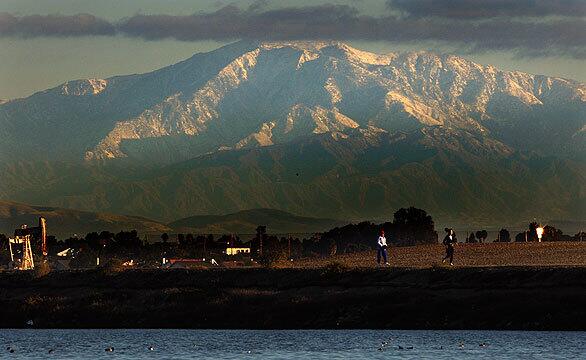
{"x": 46, "y": 42}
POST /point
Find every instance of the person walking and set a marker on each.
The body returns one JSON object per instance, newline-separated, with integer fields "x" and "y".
{"x": 449, "y": 242}
{"x": 382, "y": 249}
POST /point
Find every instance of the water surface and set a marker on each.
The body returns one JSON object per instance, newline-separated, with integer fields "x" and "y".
{"x": 290, "y": 344}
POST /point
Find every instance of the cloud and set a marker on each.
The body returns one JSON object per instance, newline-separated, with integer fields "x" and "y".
{"x": 232, "y": 22}
{"x": 54, "y": 25}
{"x": 563, "y": 37}
{"x": 476, "y": 9}
{"x": 560, "y": 36}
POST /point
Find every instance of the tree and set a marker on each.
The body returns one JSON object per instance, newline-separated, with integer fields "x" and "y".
{"x": 413, "y": 226}
{"x": 550, "y": 233}
{"x": 3, "y": 242}
{"x": 93, "y": 240}
{"x": 273, "y": 251}
{"x": 504, "y": 236}
{"x": 106, "y": 238}
{"x": 521, "y": 237}
{"x": 259, "y": 240}
{"x": 189, "y": 240}
{"x": 471, "y": 239}
{"x": 128, "y": 240}
{"x": 349, "y": 238}
{"x": 532, "y": 233}
{"x": 581, "y": 236}
{"x": 481, "y": 235}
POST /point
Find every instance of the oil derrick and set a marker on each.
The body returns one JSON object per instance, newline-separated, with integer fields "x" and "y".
{"x": 21, "y": 253}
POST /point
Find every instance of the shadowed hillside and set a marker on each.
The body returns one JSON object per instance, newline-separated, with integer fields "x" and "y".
{"x": 247, "y": 221}
{"x": 318, "y": 129}
{"x": 66, "y": 222}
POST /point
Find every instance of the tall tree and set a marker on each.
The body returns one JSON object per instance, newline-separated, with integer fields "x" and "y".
{"x": 481, "y": 235}
{"x": 504, "y": 235}
{"x": 413, "y": 226}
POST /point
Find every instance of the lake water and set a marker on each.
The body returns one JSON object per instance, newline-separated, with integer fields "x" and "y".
{"x": 290, "y": 344}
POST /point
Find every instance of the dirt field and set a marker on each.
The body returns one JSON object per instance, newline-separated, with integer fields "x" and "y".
{"x": 466, "y": 255}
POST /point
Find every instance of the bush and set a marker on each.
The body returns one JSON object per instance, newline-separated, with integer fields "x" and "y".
{"x": 335, "y": 268}
{"x": 42, "y": 269}
{"x": 268, "y": 259}
{"x": 113, "y": 266}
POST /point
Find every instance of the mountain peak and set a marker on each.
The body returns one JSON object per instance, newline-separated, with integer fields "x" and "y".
{"x": 310, "y": 127}
{"x": 259, "y": 93}
{"x": 315, "y": 45}
{"x": 331, "y": 48}
{"x": 84, "y": 87}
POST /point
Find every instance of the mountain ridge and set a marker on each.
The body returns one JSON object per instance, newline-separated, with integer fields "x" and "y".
{"x": 311, "y": 128}
{"x": 215, "y": 99}
{"x": 69, "y": 222}
{"x": 246, "y": 221}
{"x": 64, "y": 223}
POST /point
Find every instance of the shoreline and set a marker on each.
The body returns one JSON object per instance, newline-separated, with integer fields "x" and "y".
{"x": 332, "y": 297}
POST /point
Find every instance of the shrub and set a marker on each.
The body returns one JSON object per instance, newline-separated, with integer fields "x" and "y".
{"x": 113, "y": 266}
{"x": 334, "y": 268}
{"x": 42, "y": 269}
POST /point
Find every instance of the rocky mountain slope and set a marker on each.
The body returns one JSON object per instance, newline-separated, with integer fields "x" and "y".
{"x": 257, "y": 94}
{"x": 315, "y": 128}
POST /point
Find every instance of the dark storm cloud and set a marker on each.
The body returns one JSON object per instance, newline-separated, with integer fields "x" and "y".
{"x": 474, "y": 9}
{"x": 54, "y": 25}
{"x": 232, "y": 22}
{"x": 563, "y": 36}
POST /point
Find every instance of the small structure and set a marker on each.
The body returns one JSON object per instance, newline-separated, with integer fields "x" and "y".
{"x": 128, "y": 263}
{"x": 65, "y": 253}
{"x": 23, "y": 237}
{"x": 26, "y": 261}
{"x": 236, "y": 250}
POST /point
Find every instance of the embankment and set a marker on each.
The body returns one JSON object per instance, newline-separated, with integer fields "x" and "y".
{"x": 332, "y": 297}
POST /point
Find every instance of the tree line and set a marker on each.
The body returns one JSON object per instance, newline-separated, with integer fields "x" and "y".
{"x": 409, "y": 226}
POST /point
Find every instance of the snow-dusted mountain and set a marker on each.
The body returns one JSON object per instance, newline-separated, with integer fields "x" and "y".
{"x": 314, "y": 128}
{"x": 253, "y": 94}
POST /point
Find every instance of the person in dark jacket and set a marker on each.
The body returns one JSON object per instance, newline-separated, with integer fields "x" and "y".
{"x": 449, "y": 242}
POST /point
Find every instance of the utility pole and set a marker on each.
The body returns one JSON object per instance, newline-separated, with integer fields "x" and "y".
{"x": 260, "y": 234}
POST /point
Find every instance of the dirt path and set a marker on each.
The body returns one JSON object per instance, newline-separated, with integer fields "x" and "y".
{"x": 466, "y": 255}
